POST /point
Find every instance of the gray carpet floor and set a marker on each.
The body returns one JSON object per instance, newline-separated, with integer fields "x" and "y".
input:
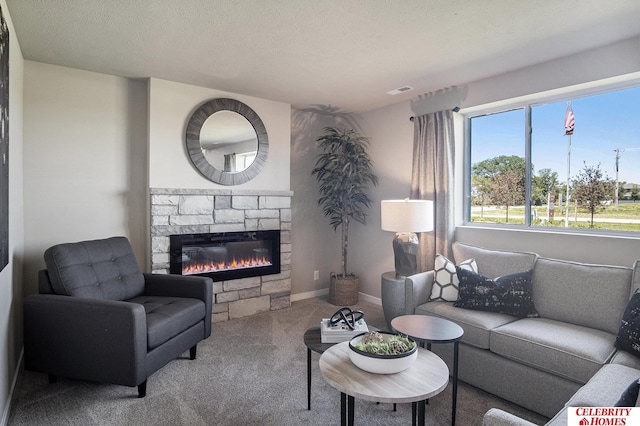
{"x": 251, "y": 371}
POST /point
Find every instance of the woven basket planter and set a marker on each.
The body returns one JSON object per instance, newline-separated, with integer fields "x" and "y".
{"x": 343, "y": 291}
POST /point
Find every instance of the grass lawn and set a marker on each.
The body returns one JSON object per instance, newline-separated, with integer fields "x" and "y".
{"x": 625, "y": 218}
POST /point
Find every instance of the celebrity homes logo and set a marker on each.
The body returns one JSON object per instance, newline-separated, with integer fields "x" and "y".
{"x": 603, "y": 416}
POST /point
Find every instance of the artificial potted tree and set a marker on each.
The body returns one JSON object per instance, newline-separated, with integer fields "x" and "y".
{"x": 343, "y": 172}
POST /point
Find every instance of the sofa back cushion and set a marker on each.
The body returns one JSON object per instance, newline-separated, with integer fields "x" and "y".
{"x": 494, "y": 263}
{"x": 582, "y": 294}
{"x": 98, "y": 269}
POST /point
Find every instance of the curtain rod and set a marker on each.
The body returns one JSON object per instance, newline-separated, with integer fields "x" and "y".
{"x": 454, "y": 109}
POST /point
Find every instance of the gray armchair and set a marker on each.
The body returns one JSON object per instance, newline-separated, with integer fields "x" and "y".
{"x": 99, "y": 318}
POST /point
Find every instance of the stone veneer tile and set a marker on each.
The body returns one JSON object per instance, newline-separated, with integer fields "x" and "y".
{"x": 228, "y": 216}
{"x": 262, "y": 214}
{"x": 269, "y": 202}
{"x": 227, "y": 296}
{"x": 165, "y": 199}
{"x": 241, "y": 283}
{"x": 274, "y": 277}
{"x": 196, "y": 204}
{"x": 164, "y": 210}
{"x": 268, "y": 224}
{"x": 281, "y": 286}
{"x": 250, "y": 292}
{"x": 191, "y": 219}
{"x": 160, "y": 244}
{"x": 220, "y": 317}
{"x": 223, "y": 202}
{"x": 246, "y": 307}
{"x": 280, "y": 302}
{"x": 244, "y": 202}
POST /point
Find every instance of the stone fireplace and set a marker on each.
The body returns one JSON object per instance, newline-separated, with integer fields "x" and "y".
{"x": 224, "y": 211}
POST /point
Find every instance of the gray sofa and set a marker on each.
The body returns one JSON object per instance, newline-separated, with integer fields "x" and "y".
{"x": 562, "y": 357}
{"x": 99, "y": 318}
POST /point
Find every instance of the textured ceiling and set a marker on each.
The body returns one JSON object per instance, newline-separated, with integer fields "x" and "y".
{"x": 345, "y": 53}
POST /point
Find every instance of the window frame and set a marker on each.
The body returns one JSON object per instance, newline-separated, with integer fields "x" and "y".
{"x": 527, "y": 103}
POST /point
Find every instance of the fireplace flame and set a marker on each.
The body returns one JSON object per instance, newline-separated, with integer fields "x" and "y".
{"x": 206, "y": 267}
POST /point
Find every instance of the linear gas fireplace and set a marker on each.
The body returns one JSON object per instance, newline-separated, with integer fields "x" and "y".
{"x": 226, "y": 255}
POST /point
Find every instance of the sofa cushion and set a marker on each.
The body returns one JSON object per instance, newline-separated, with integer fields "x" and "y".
{"x": 98, "y": 269}
{"x": 605, "y": 387}
{"x": 556, "y": 347}
{"x": 509, "y": 294}
{"x": 628, "y": 338}
{"x": 169, "y": 316}
{"x": 476, "y": 324}
{"x": 625, "y": 358}
{"x": 445, "y": 279}
{"x": 582, "y": 294}
{"x": 494, "y": 263}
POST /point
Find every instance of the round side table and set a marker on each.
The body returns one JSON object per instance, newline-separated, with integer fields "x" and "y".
{"x": 313, "y": 341}
{"x": 429, "y": 329}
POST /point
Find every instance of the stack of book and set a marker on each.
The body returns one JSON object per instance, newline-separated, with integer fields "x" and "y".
{"x": 341, "y": 331}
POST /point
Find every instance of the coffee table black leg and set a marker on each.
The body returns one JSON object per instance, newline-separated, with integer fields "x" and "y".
{"x": 351, "y": 408}
{"x": 343, "y": 409}
{"x": 414, "y": 406}
{"x": 421, "y": 413}
{"x": 308, "y": 379}
{"x": 455, "y": 383}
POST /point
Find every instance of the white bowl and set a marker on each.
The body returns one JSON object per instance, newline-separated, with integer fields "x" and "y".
{"x": 381, "y": 364}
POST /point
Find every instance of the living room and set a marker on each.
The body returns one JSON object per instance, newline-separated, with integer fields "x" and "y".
{"x": 86, "y": 147}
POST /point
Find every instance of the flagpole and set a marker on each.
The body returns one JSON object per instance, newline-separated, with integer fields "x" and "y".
{"x": 566, "y": 215}
{"x": 569, "y": 122}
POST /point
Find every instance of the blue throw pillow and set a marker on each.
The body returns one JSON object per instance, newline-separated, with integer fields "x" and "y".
{"x": 628, "y": 338}
{"x": 629, "y": 396}
{"x": 510, "y": 294}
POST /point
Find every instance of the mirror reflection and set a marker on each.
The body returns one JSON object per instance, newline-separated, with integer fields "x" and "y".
{"x": 228, "y": 141}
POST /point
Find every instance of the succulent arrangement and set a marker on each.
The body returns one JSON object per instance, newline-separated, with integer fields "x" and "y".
{"x": 375, "y": 343}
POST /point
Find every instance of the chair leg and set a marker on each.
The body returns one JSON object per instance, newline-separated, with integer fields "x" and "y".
{"x": 142, "y": 389}
{"x": 52, "y": 378}
{"x": 192, "y": 352}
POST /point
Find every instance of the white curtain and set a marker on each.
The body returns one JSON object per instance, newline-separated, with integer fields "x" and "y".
{"x": 432, "y": 179}
{"x": 230, "y": 162}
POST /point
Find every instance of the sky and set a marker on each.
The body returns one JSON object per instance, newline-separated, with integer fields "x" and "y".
{"x": 603, "y": 123}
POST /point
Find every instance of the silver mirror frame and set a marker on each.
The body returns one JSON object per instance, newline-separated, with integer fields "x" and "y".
{"x": 194, "y": 149}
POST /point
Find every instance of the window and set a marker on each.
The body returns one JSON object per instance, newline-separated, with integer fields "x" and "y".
{"x": 523, "y": 163}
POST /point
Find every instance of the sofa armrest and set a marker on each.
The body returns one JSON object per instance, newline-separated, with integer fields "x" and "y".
{"x": 498, "y": 417}
{"x": 418, "y": 290}
{"x": 88, "y": 339}
{"x": 182, "y": 286}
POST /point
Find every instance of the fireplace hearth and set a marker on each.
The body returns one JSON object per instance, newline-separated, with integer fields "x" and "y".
{"x": 226, "y": 255}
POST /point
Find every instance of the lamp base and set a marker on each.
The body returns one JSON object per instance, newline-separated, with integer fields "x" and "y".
{"x": 405, "y": 250}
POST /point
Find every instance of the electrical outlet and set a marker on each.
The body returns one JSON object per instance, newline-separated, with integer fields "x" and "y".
{"x": 316, "y": 275}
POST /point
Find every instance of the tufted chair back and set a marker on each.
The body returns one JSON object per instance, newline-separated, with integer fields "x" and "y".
{"x": 100, "y": 269}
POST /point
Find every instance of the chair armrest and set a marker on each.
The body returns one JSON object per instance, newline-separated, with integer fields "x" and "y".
{"x": 88, "y": 339}
{"x": 419, "y": 287}
{"x": 498, "y": 417}
{"x": 182, "y": 286}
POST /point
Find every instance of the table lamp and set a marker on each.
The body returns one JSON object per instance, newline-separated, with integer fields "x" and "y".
{"x": 405, "y": 218}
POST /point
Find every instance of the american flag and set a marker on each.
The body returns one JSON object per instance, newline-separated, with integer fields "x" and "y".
{"x": 569, "y": 121}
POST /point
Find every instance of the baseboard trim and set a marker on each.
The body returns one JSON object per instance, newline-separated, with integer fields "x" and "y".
{"x": 325, "y": 291}
{"x": 7, "y": 406}
{"x": 370, "y": 299}
{"x": 309, "y": 294}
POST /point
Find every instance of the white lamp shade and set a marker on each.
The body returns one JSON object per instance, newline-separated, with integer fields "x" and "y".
{"x": 407, "y": 215}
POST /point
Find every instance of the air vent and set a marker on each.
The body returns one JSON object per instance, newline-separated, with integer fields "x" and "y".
{"x": 400, "y": 90}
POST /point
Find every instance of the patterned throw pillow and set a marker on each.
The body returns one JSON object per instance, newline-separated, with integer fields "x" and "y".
{"x": 445, "y": 282}
{"x": 629, "y": 333}
{"x": 629, "y": 397}
{"x": 510, "y": 294}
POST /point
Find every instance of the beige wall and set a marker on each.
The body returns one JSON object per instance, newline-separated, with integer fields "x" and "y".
{"x": 11, "y": 275}
{"x": 82, "y": 178}
{"x": 391, "y": 133}
{"x": 171, "y": 104}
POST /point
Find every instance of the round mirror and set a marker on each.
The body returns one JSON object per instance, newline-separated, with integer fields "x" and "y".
{"x": 227, "y": 141}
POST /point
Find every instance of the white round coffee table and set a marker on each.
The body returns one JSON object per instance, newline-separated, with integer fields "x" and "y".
{"x": 427, "y": 377}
